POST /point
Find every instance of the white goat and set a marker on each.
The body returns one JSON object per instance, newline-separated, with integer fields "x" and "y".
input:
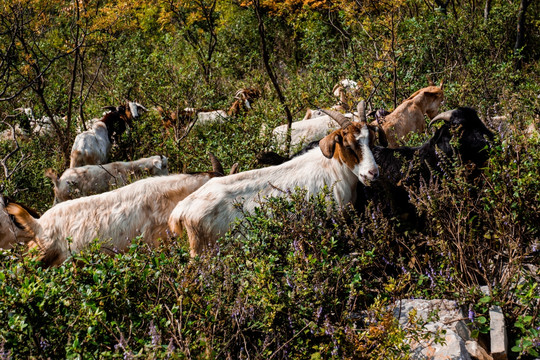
{"x": 115, "y": 217}
{"x": 346, "y": 91}
{"x": 92, "y": 147}
{"x": 7, "y": 135}
{"x": 343, "y": 158}
{"x": 40, "y": 127}
{"x": 208, "y": 117}
{"x": 95, "y": 179}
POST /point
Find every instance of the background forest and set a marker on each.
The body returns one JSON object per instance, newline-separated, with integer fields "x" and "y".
{"x": 262, "y": 297}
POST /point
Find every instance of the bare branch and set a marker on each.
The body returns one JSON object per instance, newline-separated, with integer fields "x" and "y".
{"x": 3, "y": 162}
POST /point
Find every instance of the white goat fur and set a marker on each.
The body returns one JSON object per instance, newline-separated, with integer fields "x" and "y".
{"x": 91, "y": 147}
{"x": 39, "y": 127}
{"x": 96, "y": 179}
{"x": 207, "y": 213}
{"x": 116, "y": 217}
{"x": 209, "y": 117}
{"x": 305, "y": 131}
{"x": 345, "y": 90}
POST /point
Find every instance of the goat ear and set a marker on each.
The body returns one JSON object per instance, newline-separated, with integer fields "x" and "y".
{"x": 234, "y": 169}
{"x": 328, "y": 143}
{"x": 51, "y": 174}
{"x": 22, "y": 218}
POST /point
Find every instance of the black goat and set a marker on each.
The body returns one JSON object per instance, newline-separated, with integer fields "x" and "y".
{"x": 411, "y": 166}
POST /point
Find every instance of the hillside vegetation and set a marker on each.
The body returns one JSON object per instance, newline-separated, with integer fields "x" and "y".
{"x": 306, "y": 279}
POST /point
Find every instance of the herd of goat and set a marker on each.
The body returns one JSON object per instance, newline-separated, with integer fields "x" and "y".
{"x": 359, "y": 160}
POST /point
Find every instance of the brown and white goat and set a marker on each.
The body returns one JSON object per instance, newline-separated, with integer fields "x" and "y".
{"x": 115, "y": 217}
{"x": 343, "y": 158}
{"x": 409, "y": 116}
{"x": 243, "y": 100}
{"x": 92, "y": 147}
{"x": 95, "y": 179}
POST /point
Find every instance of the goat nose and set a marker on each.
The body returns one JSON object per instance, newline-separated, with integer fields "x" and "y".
{"x": 374, "y": 173}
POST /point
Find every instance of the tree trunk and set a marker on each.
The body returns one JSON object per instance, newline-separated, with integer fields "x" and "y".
{"x": 73, "y": 79}
{"x": 394, "y": 62}
{"x": 520, "y": 36}
{"x": 64, "y": 143}
{"x": 487, "y": 9}
{"x": 270, "y": 72}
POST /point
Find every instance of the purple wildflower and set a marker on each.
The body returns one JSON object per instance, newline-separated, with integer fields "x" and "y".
{"x": 318, "y": 314}
{"x": 154, "y": 334}
{"x": 471, "y": 313}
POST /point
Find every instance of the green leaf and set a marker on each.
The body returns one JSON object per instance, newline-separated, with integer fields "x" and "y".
{"x": 517, "y": 349}
{"x": 485, "y": 299}
{"x": 481, "y": 320}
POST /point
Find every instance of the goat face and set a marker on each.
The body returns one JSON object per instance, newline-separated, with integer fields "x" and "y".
{"x": 352, "y": 146}
{"x": 473, "y": 137}
{"x": 345, "y": 86}
{"x": 134, "y": 110}
{"x": 433, "y": 97}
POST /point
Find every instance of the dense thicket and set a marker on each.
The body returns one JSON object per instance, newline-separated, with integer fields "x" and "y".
{"x": 304, "y": 282}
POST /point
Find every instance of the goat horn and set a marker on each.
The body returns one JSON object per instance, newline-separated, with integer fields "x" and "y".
{"x": 341, "y": 119}
{"x": 216, "y": 165}
{"x": 430, "y": 81}
{"x": 234, "y": 169}
{"x": 239, "y": 94}
{"x": 361, "y": 108}
{"x": 442, "y": 116}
